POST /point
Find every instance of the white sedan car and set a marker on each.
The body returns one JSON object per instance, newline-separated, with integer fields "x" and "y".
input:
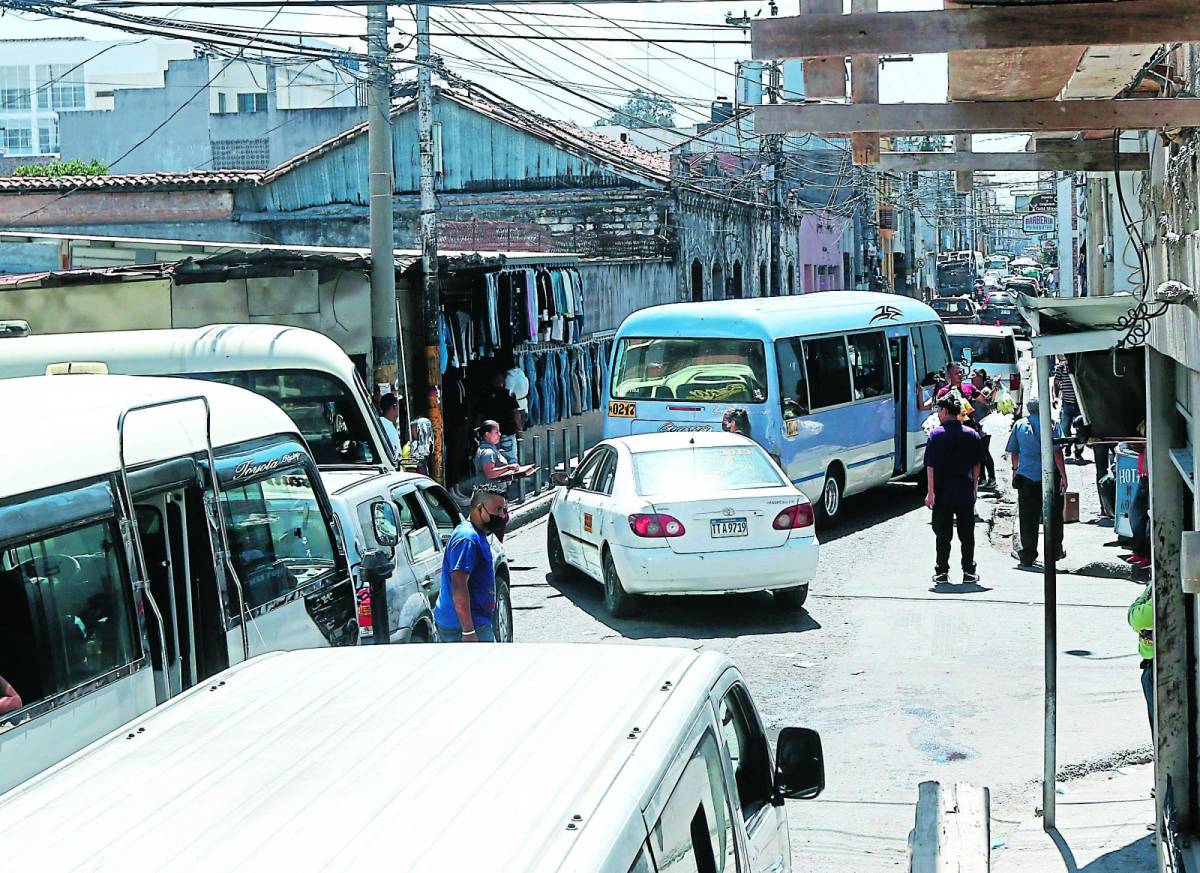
{"x": 683, "y": 513}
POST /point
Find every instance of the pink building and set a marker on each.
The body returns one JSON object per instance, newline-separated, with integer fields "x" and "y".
{"x": 821, "y": 264}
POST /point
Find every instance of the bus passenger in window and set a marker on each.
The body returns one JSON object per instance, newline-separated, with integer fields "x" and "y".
{"x": 10, "y": 700}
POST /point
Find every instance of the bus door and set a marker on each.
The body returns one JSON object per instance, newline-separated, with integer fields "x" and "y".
{"x": 901, "y": 389}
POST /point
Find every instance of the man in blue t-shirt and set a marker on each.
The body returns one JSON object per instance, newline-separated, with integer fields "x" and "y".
{"x": 1025, "y": 449}
{"x": 468, "y": 594}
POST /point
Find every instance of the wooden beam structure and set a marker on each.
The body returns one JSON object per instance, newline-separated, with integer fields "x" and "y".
{"x": 864, "y": 88}
{"x": 1127, "y": 22}
{"x": 964, "y": 180}
{"x": 1011, "y": 162}
{"x": 824, "y": 77}
{"x": 1015, "y": 116}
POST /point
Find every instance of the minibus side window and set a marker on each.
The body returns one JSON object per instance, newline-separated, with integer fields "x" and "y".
{"x": 66, "y": 614}
{"x": 642, "y": 863}
{"x": 793, "y": 381}
{"x": 694, "y": 832}
{"x": 871, "y": 364}
{"x": 747, "y": 748}
{"x": 828, "y": 371}
{"x": 278, "y": 537}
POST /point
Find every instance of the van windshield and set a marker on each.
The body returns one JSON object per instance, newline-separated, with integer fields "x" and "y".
{"x": 702, "y": 369}
{"x": 323, "y": 408}
{"x": 984, "y": 349}
{"x": 278, "y": 537}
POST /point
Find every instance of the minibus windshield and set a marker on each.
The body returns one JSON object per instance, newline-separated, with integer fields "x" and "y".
{"x": 989, "y": 349}
{"x": 278, "y": 537}
{"x": 690, "y": 368}
{"x": 322, "y": 407}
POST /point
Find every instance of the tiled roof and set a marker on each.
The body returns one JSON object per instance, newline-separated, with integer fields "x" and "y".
{"x": 127, "y": 181}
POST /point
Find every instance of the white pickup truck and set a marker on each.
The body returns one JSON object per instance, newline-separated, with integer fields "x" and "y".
{"x": 423, "y": 515}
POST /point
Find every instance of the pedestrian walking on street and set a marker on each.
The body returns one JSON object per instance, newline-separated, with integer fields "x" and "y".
{"x": 467, "y": 599}
{"x": 1068, "y": 403}
{"x": 1025, "y": 449}
{"x": 1141, "y": 619}
{"x": 981, "y": 405}
{"x": 952, "y": 460}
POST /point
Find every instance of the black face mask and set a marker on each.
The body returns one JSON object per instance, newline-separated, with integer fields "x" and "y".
{"x": 496, "y": 525}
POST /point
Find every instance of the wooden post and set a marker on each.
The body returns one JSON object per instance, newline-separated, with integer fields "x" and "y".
{"x": 824, "y": 77}
{"x": 964, "y": 180}
{"x": 864, "y": 88}
{"x": 1171, "y": 690}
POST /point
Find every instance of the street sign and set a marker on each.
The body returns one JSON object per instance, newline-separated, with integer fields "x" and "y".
{"x": 1046, "y": 201}
{"x": 1038, "y": 222}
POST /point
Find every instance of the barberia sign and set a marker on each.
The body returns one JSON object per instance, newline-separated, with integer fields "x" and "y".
{"x": 252, "y": 469}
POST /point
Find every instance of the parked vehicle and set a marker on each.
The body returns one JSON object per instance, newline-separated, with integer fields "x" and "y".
{"x": 956, "y": 310}
{"x": 308, "y": 376}
{"x": 830, "y": 382}
{"x": 129, "y": 572}
{"x": 411, "y": 517}
{"x": 683, "y": 513}
{"x": 302, "y": 371}
{"x": 991, "y": 349}
{"x": 524, "y": 758}
{"x": 956, "y": 277}
{"x": 998, "y": 262}
{"x": 1000, "y": 308}
{"x": 1022, "y": 285}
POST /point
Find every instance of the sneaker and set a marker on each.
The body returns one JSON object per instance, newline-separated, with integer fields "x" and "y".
{"x": 939, "y": 578}
{"x": 970, "y": 577}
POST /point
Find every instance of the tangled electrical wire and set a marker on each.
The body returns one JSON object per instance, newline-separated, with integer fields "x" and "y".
{"x": 1136, "y": 322}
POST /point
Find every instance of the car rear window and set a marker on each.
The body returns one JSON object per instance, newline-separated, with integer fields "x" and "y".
{"x": 704, "y": 470}
{"x": 984, "y": 349}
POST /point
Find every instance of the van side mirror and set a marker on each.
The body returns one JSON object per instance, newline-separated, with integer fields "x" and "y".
{"x": 383, "y": 522}
{"x": 560, "y": 477}
{"x": 799, "y": 764}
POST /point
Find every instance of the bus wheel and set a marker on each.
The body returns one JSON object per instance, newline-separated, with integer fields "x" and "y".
{"x": 830, "y": 503}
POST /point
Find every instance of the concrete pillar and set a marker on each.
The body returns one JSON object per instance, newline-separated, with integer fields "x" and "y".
{"x": 1171, "y": 679}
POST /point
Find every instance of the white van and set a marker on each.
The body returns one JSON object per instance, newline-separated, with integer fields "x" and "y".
{"x": 991, "y": 349}
{"x": 586, "y": 757}
{"x": 153, "y": 532}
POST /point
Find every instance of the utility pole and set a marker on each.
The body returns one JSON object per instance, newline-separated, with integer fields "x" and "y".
{"x": 774, "y": 149}
{"x": 379, "y": 146}
{"x": 430, "y": 297}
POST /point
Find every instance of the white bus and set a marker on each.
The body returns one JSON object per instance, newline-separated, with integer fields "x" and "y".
{"x": 129, "y": 572}
{"x": 304, "y": 372}
{"x": 529, "y": 759}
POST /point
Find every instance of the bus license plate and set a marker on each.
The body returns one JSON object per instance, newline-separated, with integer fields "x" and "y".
{"x": 729, "y": 527}
{"x": 622, "y": 409}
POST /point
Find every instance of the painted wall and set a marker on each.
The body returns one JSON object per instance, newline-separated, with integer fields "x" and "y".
{"x": 819, "y": 253}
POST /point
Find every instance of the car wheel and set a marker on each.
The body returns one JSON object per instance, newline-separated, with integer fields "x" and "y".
{"x": 554, "y": 550}
{"x": 830, "y": 503}
{"x": 620, "y": 603}
{"x": 791, "y": 598}
{"x": 502, "y": 620}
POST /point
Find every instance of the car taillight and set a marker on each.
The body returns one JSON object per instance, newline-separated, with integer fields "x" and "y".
{"x": 800, "y": 515}
{"x": 656, "y": 525}
{"x": 1014, "y": 382}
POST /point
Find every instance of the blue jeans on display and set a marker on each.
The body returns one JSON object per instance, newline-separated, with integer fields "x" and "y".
{"x": 483, "y": 632}
{"x": 564, "y": 384}
{"x": 529, "y": 368}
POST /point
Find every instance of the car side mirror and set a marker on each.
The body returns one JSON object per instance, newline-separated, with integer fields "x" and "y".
{"x": 560, "y": 477}
{"x": 799, "y": 764}
{"x": 383, "y": 521}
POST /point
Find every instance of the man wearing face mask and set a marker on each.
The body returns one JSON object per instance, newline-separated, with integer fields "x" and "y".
{"x": 468, "y": 594}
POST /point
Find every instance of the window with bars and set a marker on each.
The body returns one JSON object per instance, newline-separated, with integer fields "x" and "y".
{"x": 14, "y": 88}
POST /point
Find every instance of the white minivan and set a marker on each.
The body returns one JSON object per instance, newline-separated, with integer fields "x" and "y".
{"x": 991, "y": 349}
{"x": 585, "y": 757}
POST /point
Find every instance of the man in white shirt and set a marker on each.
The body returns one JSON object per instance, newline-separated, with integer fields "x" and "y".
{"x": 517, "y": 384}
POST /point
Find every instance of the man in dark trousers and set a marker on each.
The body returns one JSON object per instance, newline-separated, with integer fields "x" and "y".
{"x": 952, "y": 459}
{"x": 1025, "y": 449}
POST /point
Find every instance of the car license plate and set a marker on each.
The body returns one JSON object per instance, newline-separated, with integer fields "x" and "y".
{"x": 622, "y": 409}
{"x": 729, "y": 527}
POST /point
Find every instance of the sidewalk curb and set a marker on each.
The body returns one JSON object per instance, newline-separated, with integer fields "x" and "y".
{"x": 530, "y": 511}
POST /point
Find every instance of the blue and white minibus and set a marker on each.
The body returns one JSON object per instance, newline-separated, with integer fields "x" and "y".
{"x": 832, "y": 382}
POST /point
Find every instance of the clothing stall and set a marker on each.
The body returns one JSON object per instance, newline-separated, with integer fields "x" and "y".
{"x": 529, "y": 318}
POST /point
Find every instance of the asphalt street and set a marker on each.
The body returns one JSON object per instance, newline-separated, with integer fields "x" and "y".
{"x": 905, "y": 681}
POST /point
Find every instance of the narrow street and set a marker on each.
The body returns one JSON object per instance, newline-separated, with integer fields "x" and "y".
{"x": 905, "y": 682}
